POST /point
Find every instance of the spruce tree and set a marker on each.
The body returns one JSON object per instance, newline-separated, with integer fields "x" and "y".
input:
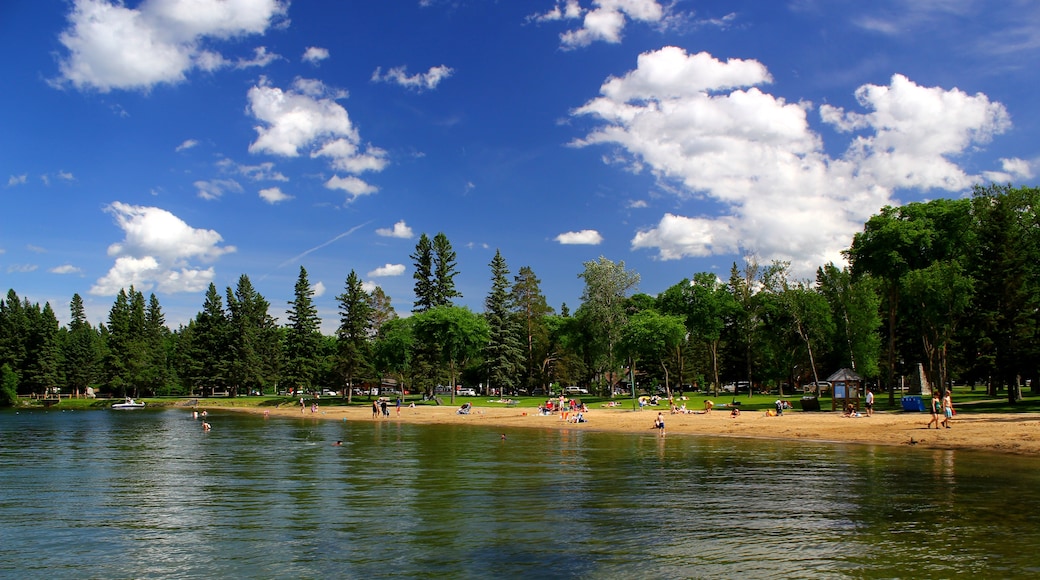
{"x": 209, "y": 344}
{"x": 355, "y": 328}
{"x": 80, "y": 349}
{"x": 423, "y": 275}
{"x": 303, "y": 337}
{"x": 530, "y": 310}
{"x": 444, "y": 271}
{"x": 504, "y": 352}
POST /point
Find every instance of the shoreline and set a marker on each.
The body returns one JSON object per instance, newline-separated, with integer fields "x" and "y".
{"x": 1009, "y": 433}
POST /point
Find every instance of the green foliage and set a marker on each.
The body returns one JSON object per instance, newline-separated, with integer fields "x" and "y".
{"x": 8, "y": 386}
{"x": 302, "y": 338}
{"x": 455, "y": 335}
{"x": 355, "y": 326}
{"x": 504, "y": 352}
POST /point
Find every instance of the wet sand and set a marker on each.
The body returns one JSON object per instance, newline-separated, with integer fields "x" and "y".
{"x": 1017, "y": 433}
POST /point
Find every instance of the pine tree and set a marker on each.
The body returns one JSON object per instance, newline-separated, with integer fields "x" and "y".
{"x": 423, "y": 275}
{"x": 209, "y": 344}
{"x": 530, "y": 309}
{"x": 303, "y": 337}
{"x": 504, "y": 352}
{"x": 251, "y": 340}
{"x": 355, "y": 328}
{"x": 80, "y": 349}
{"x": 444, "y": 271}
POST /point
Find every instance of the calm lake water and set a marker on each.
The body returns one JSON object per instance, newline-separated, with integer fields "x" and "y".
{"x": 137, "y": 494}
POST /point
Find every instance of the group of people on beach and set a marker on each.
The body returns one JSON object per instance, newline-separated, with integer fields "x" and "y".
{"x": 942, "y": 407}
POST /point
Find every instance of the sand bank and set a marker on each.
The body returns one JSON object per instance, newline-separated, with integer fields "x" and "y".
{"x": 1004, "y": 432}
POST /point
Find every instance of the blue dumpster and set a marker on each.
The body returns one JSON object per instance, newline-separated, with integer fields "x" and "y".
{"x": 913, "y": 403}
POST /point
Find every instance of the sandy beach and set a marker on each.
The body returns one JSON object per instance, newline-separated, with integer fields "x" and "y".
{"x": 1003, "y": 433}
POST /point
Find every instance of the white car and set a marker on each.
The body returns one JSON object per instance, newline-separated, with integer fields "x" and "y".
{"x": 466, "y": 392}
{"x": 576, "y": 391}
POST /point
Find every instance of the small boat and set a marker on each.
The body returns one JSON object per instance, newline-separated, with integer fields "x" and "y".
{"x": 128, "y": 404}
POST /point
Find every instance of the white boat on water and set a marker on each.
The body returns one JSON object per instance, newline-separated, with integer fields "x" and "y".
{"x": 128, "y": 404}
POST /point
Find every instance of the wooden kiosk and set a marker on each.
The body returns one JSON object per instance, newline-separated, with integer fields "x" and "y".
{"x": 846, "y": 389}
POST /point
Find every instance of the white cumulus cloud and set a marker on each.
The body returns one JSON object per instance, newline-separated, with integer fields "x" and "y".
{"x": 419, "y": 81}
{"x": 604, "y": 22}
{"x": 65, "y": 269}
{"x": 387, "y": 270}
{"x": 400, "y": 230}
{"x": 273, "y": 195}
{"x": 110, "y": 46}
{"x": 584, "y": 237}
{"x": 307, "y": 118}
{"x": 158, "y": 251}
{"x": 706, "y": 125}
{"x": 315, "y": 54}
{"x": 352, "y": 185}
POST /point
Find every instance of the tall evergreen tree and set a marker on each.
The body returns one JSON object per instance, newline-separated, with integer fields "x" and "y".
{"x": 14, "y": 330}
{"x": 504, "y": 351}
{"x": 1006, "y": 266}
{"x": 303, "y": 337}
{"x": 530, "y": 309}
{"x": 128, "y": 355}
{"x": 158, "y": 374}
{"x": 43, "y": 361}
{"x": 253, "y": 340}
{"x": 209, "y": 345}
{"x": 352, "y": 338}
{"x": 423, "y": 275}
{"x": 444, "y": 271}
{"x": 81, "y": 349}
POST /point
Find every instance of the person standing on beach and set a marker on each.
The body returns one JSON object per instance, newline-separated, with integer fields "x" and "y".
{"x": 375, "y": 409}
{"x": 398, "y": 406}
{"x": 870, "y": 402}
{"x": 936, "y": 407}
{"x": 947, "y": 409}
{"x": 659, "y": 423}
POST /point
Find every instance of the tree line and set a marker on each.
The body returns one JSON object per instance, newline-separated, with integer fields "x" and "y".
{"x": 950, "y": 284}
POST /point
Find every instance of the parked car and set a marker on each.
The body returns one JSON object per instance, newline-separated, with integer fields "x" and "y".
{"x": 466, "y": 392}
{"x": 576, "y": 391}
{"x": 818, "y": 387}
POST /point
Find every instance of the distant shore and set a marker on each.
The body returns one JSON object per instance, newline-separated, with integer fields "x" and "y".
{"x": 1014, "y": 433}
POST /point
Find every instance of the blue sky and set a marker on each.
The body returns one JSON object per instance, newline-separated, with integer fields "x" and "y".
{"x": 173, "y": 143}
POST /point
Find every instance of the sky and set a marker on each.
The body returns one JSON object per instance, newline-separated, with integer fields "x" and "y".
{"x": 170, "y": 144}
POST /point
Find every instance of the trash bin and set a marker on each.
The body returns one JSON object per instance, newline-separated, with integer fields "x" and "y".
{"x": 913, "y": 403}
{"x": 810, "y": 404}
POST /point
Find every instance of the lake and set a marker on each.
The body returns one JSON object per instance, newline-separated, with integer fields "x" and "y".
{"x": 135, "y": 494}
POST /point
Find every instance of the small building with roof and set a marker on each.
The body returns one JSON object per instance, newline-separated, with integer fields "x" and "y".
{"x": 847, "y": 389}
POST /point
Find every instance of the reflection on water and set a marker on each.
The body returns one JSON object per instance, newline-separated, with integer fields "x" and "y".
{"x": 135, "y": 494}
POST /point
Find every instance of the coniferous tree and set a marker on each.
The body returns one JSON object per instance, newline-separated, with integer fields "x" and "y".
{"x": 302, "y": 338}
{"x": 444, "y": 271}
{"x": 14, "y": 330}
{"x": 252, "y": 339}
{"x": 81, "y": 353}
{"x": 504, "y": 352}
{"x": 530, "y": 309}
{"x": 209, "y": 345}
{"x": 423, "y": 275}
{"x": 43, "y": 361}
{"x": 352, "y": 337}
{"x": 157, "y": 376}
